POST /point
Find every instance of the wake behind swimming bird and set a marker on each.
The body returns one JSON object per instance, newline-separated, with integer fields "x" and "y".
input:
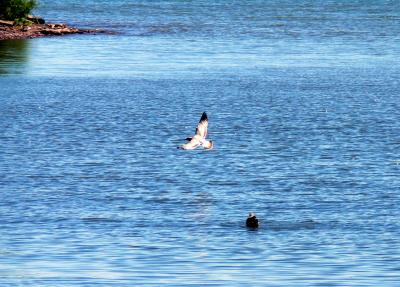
{"x": 199, "y": 139}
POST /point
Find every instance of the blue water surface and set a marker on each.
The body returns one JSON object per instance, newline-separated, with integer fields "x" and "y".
{"x": 304, "y": 109}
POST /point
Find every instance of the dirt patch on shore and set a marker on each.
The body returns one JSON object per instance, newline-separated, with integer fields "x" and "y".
{"x": 40, "y": 30}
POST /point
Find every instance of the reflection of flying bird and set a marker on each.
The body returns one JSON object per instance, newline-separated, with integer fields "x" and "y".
{"x": 199, "y": 139}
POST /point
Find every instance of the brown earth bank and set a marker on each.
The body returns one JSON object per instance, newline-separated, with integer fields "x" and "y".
{"x": 38, "y": 28}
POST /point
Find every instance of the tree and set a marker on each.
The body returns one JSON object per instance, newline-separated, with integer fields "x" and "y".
{"x": 16, "y": 10}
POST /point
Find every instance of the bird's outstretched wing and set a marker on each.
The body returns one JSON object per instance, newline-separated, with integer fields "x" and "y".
{"x": 202, "y": 126}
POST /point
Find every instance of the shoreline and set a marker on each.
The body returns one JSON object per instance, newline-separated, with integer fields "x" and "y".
{"x": 9, "y": 31}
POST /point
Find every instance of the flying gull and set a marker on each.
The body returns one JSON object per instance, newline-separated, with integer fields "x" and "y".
{"x": 199, "y": 139}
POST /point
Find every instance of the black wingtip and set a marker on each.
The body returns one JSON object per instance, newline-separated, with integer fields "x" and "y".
{"x": 204, "y": 117}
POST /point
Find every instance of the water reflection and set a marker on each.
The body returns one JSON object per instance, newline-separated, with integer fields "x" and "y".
{"x": 13, "y": 56}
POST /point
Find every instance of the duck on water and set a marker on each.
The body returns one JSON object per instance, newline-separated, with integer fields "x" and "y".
{"x": 252, "y": 221}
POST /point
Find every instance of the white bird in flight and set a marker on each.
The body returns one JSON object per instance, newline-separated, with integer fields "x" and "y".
{"x": 199, "y": 139}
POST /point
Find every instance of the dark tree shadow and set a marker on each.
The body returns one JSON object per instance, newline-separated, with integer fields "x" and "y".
{"x": 13, "y": 56}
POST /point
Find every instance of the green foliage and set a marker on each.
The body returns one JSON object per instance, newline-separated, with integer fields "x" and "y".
{"x": 16, "y": 10}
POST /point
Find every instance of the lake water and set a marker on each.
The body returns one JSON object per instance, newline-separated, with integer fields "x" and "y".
{"x": 304, "y": 108}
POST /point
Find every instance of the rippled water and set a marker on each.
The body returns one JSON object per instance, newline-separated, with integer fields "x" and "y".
{"x": 303, "y": 102}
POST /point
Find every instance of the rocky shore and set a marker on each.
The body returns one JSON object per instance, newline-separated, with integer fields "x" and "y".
{"x": 36, "y": 27}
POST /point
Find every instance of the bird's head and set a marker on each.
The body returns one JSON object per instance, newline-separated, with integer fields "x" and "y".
{"x": 210, "y": 145}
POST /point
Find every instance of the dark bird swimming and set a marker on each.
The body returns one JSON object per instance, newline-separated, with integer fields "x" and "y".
{"x": 252, "y": 221}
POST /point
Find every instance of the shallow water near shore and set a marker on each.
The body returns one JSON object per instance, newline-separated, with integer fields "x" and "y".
{"x": 303, "y": 102}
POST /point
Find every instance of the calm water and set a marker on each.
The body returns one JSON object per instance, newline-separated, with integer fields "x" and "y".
{"x": 304, "y": 108}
